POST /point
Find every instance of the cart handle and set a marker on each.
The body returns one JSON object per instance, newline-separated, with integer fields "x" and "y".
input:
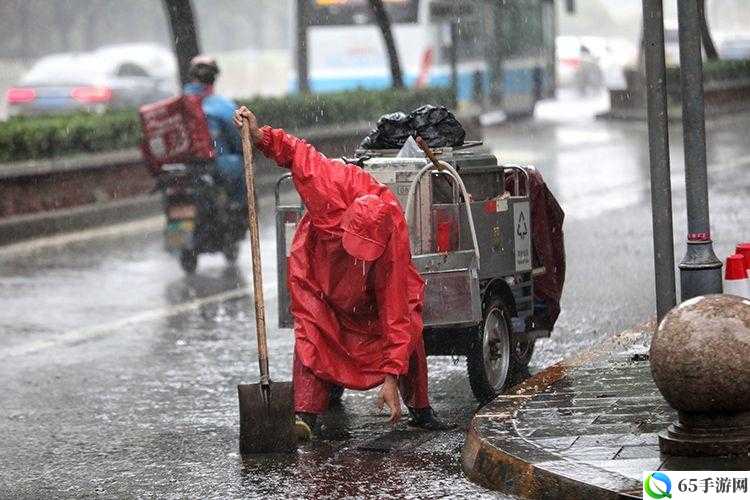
{"x": 527, "y": 184}
{"x": 277, "y": 189}
{"x": 447, "y": 169}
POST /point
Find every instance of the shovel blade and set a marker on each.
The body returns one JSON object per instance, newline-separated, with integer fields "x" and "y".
{"x": 267, "y": 426}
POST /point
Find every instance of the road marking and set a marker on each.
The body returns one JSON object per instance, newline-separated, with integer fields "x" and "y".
{"x": 135, "y": 227}
{"x": 97, "y": 331}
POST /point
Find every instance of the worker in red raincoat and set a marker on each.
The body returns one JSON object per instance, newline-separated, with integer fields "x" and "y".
{"x": 356, "y": 297}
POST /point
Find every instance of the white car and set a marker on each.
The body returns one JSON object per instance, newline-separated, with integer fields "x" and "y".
{"x": 577, "y": 65}
{"x": 117, "y": 76}
{"x": 613, "y": 55}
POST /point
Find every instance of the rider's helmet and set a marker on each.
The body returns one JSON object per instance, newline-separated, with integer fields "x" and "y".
{"x": 203, "y": 69}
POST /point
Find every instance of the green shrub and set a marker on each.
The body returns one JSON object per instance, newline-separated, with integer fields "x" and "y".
{"x": 50, "y": 136}
{"x": 24, "y": 138}
{"x": 302, "y": 111}
{"x": 714, "y": 71}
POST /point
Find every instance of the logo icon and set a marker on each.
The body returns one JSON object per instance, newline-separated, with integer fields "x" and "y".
{"x": 522, "y": 230}
{"x": 658, "y": 485}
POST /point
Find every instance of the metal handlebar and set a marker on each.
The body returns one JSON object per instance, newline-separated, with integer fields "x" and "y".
{"x": 451, "y": 172}
{"x": 277, "y": 188}
{"x": 527, "y": 184}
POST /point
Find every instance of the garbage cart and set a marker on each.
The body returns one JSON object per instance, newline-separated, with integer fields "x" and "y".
{"x": 471, "y": 243}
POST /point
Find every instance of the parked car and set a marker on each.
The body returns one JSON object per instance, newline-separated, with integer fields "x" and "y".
{"x": 112, "y": 77}
{"x": 613, "y": 55}
{"x": 577, "y": 66}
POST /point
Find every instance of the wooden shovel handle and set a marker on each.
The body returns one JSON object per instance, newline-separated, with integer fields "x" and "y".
{"x": 428, "y": 152}
{"x": 252, "y": 222}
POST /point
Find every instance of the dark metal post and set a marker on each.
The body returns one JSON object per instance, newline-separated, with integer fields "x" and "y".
{"x": 303, "y": 82}
{"x": 700, "y": 270}
{"x": 454, "y": 60}
{"x": 658, "y": 140}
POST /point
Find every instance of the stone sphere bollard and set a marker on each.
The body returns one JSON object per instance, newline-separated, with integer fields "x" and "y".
{"x": 700, "y": 361}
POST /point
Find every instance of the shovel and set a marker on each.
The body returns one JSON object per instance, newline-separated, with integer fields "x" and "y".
{"x": 266, "y": 408}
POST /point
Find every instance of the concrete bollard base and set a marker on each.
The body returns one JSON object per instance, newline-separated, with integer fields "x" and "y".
{"x": 707, "y": 435}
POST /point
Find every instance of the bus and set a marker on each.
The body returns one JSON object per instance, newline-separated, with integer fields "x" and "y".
{"x": 505, "y": 50}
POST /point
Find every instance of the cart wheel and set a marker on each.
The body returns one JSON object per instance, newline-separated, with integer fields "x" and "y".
{"x": 520, "y": 356}
{"x": 489, "y": 360}
{"x": 189, "y": 261}
{"x": 231, "y": 251}
{"x": 335, "y": 395}
{"x": 521, "y": 352}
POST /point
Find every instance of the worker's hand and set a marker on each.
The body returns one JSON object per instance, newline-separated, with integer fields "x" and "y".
{"x": 243, "y": 115}
{"x": 389, "y": 396}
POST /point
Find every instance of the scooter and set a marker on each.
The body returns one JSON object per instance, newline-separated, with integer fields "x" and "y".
{"x": 200, "y": 216}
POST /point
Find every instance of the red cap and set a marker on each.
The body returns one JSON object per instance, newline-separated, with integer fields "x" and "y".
{"x": 367, "y": 226}
{"x": 735, "y": 268}
{"x": 744, "y": 250}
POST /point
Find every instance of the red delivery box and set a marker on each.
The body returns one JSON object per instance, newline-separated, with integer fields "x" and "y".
{"x": 175, "y": 131}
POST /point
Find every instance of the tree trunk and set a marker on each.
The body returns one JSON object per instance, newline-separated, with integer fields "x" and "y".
{"x": 23, "y": 14}
{"x": 91, "y": 25}
{"x": 62, "y": 21}
{"x": 381, "y": 17}
{"x": 708, "y": 42}
{"x": 184, "y": 34}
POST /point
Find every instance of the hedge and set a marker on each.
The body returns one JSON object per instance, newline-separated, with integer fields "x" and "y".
{"x": 50, "y": 136}
{"x": 717, "y": 70}
{"x": 300, "y": 111}
{"x": 24, "y": 138}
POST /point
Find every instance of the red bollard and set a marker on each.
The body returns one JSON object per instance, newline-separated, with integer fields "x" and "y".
{"x": 735, "y": 277}
{"x": 744, "y": 250}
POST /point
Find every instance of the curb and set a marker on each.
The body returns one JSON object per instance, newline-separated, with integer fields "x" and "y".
{"x": 23, "y": 228}
{"x": 26, "y": 227}
{"x": 506, "y": 471}
{"x": 713, "y": 113}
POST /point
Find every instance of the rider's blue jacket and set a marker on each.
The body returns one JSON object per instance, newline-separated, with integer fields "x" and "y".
{"x": 219, "y": 112}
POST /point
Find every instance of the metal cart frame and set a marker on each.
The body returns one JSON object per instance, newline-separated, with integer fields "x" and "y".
{"x": 479, "y": 292}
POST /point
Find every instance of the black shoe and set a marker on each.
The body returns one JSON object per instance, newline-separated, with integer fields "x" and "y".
{"x": 427, "y": 419}
{"x": 335, "y": 395}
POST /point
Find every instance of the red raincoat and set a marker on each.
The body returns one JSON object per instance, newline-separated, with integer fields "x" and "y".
{"x": 547, "y": 239}
{"x": 354, "y": 321}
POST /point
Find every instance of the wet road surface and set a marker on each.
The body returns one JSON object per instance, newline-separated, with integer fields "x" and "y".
{"x": 119, "y": 372}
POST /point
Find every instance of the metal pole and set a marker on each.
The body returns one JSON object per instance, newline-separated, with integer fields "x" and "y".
{"x": 303, "y": 82}
{"x": 700, "y": 270}
{"x": 658, "y": 140}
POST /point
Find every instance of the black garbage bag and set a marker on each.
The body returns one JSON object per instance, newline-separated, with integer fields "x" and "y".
{"x": 391, "y": 133}
{"x": 435, "y": 124}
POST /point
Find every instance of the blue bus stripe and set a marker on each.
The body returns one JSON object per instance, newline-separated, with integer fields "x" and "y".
{"x": 516, "y": 81}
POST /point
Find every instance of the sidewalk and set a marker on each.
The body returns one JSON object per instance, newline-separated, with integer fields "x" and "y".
{"x": 584, "y": 428}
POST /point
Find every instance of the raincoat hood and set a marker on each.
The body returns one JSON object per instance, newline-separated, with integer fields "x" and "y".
{"x": 367, "y": 226}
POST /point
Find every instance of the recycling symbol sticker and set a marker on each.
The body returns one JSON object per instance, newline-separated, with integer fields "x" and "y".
{"x": 521, "y": 223}
{"x": 521, "y": 228}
